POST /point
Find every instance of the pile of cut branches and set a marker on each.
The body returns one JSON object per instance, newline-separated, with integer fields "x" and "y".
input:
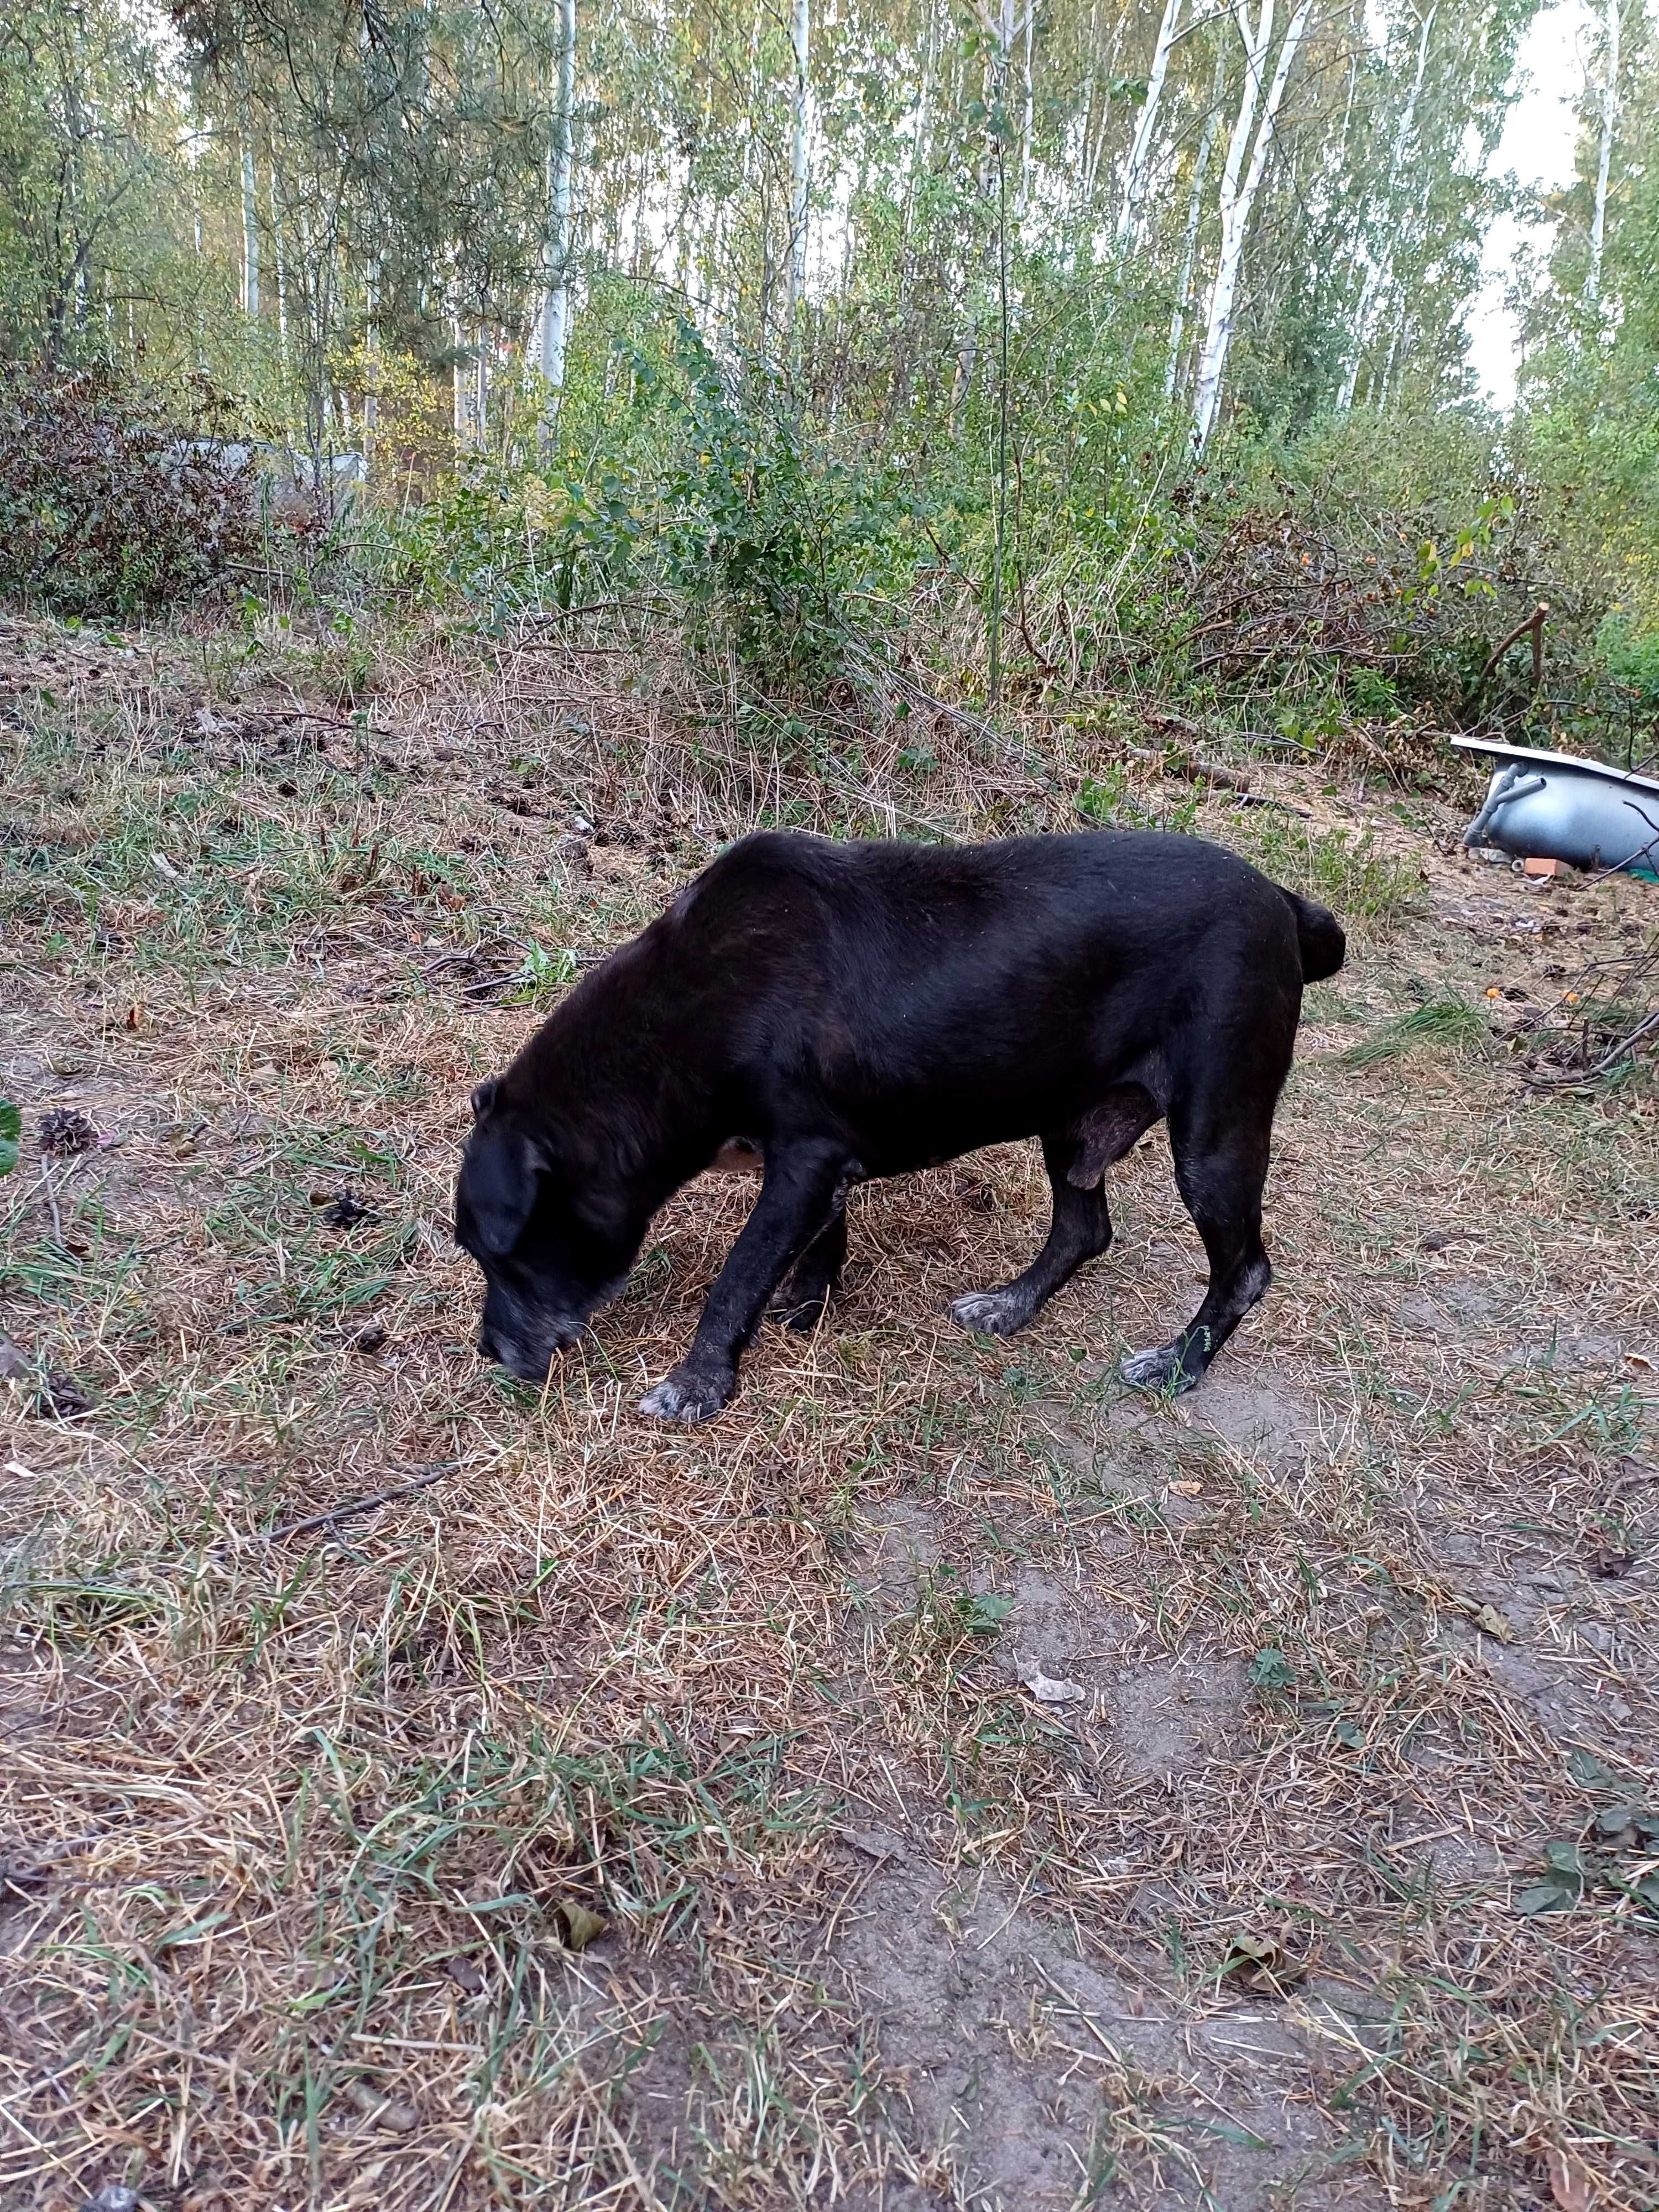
{"x": 1603, "y": 1027}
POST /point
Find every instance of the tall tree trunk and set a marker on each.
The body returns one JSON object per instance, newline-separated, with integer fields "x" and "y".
{"x": 371, "y": 365}
{"x": 1028, "y": 119}
{"x": 1087, "y": 138}
{"x": 1604, "y": 161}
{"x": 1189, "y": 242}
{"x": 1238, "y": 203}
{"x": 800, "y": 36}
{"x": 1379, "y": 268}
{"x": 1000, "y": 526}
{"x": 282, "y": 272}
{"x": 556, "y": 310}
{"x": 250, "y": 229}
{"x": 1140, "y": 150}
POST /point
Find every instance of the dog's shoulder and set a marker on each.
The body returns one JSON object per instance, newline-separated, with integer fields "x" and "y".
{"x": 771, "y": 870}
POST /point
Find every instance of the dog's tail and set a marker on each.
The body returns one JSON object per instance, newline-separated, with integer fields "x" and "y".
{"x": 1319, "y": 935}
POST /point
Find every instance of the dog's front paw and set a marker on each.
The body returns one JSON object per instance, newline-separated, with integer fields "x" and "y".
{"x": 1158, "y": 1370}
{"x": 689, "y": 1394}
{"x": 991, "y": 1313}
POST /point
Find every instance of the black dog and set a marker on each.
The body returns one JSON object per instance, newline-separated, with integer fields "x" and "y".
{"x": 861, "y": 1010}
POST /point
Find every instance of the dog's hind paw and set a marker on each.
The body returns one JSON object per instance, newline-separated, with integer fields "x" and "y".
{"x": 991, "y": 1313}
{"x": 688, "y": 1395}
{"x": 801, "y": 1314}
{"x": 1158, "y": 1370}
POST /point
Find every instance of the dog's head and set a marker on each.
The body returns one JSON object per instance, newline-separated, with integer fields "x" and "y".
{"x": 552, "y": 1245}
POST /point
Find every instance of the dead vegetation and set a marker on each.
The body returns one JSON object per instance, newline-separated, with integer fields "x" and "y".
{"x": 422, "y": 1792}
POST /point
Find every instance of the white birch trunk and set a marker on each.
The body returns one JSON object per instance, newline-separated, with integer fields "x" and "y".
{"x": 1140, "y": 150}
{"x": 800, "y": 34}
{"x": 1087, "y": 139}
{"x": 556, "y": 310}
{"x": 282, "y": 272}
{"x": 1236, "y": 209}
{"x": 1379, "y": 270}
{"x": 1604, "y": 161}
{"x": 1189, "y": 241}
{"x": 1023, "y": 199}
{"x": 250, "y": 230}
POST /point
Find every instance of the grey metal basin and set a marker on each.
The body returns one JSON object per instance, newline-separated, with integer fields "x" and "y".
{"x": 1553, "y": 806}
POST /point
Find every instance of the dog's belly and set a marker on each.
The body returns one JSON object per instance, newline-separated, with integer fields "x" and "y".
{"x": 899, "y": 1142}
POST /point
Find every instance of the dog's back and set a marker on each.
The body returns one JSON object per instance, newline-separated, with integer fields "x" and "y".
{"x": 1002, "y": 981}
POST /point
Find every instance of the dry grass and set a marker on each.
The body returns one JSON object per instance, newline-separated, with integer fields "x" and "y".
{"x": 299, "y": 1829}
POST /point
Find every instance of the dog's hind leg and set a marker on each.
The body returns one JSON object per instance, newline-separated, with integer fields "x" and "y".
{"x": 1221, "y": 1167}
{"x": 801, "y": 1297}
{"x": 1081, "y": 1229}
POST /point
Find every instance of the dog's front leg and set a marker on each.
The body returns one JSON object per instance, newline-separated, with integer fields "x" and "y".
{"x": 804, "y": 1185}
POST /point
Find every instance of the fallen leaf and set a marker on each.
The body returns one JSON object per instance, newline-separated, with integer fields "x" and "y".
{"x": 1487, "y": 1618}
{"x": 462, "y": 1971}
{"x": 1637, "y": 1360}
{"x": 581, "y": 1927}
{"x": 1261, "y": 1963}
{"x": 1562, "y": 1885}
{"x": 1187, "y": 1489}
{"x": 1049, "y": 1692}
{"x": 1570, "y": 2183}
{"x": 377, "y": 2105}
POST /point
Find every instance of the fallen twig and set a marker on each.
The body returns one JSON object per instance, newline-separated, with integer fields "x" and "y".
{"x": 360, "y": 1505}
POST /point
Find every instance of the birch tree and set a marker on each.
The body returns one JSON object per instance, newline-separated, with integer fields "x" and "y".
{"x": 1140, "y": 150}
{"x": 1379, "y": 265}
{"x": 1189, "y": 237}
{"x": 1604, "y": 159}
{"x": 250, "y": 229}
{"x": 800, "y": 35}
{"x": 556, "y": 312}
{"x": 1254, "y": 137}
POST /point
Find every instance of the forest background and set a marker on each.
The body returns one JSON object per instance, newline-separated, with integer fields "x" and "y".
{"x": 1046, "y": 351}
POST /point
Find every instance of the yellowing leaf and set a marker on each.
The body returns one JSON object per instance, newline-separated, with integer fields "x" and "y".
{"x": 581, "y": 1927}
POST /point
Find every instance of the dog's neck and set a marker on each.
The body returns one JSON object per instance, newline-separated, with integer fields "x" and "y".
{"x": 621, "y": 1080}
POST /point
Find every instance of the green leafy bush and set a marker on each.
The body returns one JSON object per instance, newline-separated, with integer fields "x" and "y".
{"x": 697, "y": 495}
{"x": 1632, "y": 658}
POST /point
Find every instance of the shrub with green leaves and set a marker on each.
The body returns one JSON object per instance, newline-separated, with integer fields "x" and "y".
{"x": 697, "y": 494}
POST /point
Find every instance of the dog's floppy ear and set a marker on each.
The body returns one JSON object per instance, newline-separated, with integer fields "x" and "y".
{"x": 502, "y": 1169}
{"x": 485, "y": 1096}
